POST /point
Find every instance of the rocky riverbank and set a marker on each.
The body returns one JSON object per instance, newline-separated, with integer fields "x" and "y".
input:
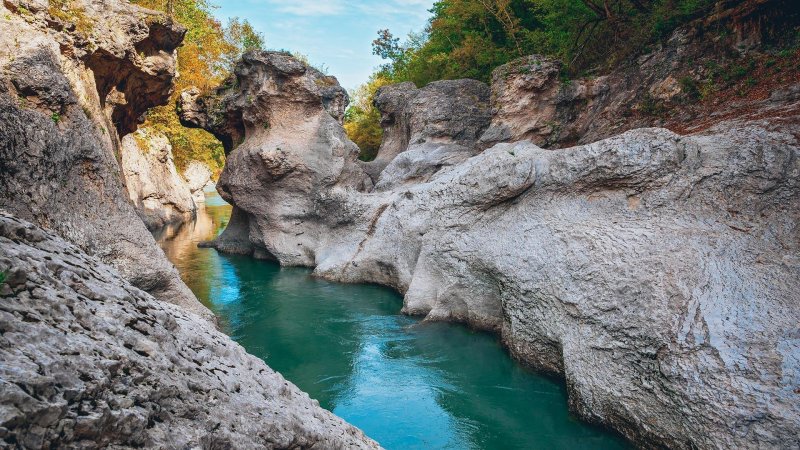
{"x": 658, "y": 273}
{"x": 90, "y": 361}
{"x": 101, "y": 343}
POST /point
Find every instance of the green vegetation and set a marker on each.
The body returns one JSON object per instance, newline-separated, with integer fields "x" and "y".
{"x": 56, "y": 117}
{"x": 205, "y": 60}
{"x": 2, "y": 277}
{"x": 362, "y": 119}
{"x": 70, "y": 11}
{"x": 470, "y": 38}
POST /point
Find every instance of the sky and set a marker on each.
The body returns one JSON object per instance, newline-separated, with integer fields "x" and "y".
{"x": 336, "y": 33}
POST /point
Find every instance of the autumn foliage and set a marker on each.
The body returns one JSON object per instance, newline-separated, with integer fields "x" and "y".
{"x": 205, "y": 59}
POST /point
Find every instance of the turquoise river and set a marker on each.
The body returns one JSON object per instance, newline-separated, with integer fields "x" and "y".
{"x": 407, "y": 384}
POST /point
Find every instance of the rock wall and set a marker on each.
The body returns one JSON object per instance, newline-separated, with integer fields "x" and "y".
{"x": 89, "y": 361}
{"x": 198, "y": 177}
{"x": 678, "y": 85}
{"x": 159, "y": 194}
{"x": 658, "y": 273}
{"x": 74, "y": 77}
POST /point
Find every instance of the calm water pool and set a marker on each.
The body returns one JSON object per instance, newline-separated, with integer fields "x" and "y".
{"x": 407, "y": 384}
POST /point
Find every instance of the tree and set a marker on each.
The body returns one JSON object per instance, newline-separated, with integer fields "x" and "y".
{"x": 362, "y": 119}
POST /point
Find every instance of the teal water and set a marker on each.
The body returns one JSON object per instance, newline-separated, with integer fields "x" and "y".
{"x": 407, "y": 384}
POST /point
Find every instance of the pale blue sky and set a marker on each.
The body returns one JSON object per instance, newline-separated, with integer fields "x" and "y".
{"x": 336, "y": 33}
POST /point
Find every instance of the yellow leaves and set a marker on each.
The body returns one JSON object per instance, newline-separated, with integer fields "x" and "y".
{"x": 362, "y": 121}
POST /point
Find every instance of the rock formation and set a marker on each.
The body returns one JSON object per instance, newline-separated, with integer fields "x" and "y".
{"x": 658, "y": 273}
{"x": 159, "y": 194}
{"x": 533, "y": 98}
{"x": 198, "y": 177}
{"x": 427, "y": 129}
{"x": 74, "y": 77}
{"x": 286, "y": 118}
{"x": 89, "y": 361}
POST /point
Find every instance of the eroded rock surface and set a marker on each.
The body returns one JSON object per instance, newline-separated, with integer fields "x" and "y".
{"x": 428, "y": 129}
{"x": 74, "y": 77}
{"x": 89, "y": 361}
{"x": 658, "y": 273}
{"x": 286, "y": 118}
{"x": 198, "y": 177}
{"x": 161, "y": 196}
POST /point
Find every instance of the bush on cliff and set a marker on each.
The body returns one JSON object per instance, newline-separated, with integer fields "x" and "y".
{"x": 362, "y": 119}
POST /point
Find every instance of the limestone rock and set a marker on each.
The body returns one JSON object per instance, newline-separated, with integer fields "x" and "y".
{"x": 658, "y": 273}
{"x": 161, "y": 196}
{"x": 89, "y": 361}
{"x": 198, "y": 177}
{"x": 72, "y": 81}
{"x": 285, "y": 118}
{"x": 427, "y": 129}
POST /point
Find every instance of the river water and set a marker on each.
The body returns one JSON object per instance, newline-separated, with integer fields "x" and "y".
{"x": 407, "y": 384}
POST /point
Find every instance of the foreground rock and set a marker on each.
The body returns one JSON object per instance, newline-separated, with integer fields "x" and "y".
{"x": 159, "y": 194}
{"x": 89, "y": 361}
{"x": 75, "y": 78}
{"x": 658, "y": 273}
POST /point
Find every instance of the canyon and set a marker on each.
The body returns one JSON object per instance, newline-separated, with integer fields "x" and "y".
{"x": 651, "y": 261}
{"x": 656, "y": 272}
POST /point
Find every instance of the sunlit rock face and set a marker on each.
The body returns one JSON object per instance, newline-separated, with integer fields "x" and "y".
{"x": 90, "y": 361}
{"x": 160, "y": 195}
{"x": 69, "y": 89}
{"x": 657, "y": 273}
{"x": 198, "y": 177}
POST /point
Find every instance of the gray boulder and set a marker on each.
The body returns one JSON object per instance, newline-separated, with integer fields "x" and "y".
{"x": 89, "y": 361}
{"x": 286, "y": 119}
{"x": 427, "y": 129}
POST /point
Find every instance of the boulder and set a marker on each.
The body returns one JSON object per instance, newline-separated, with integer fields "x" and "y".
{"x": 285, "y": 117}
{"x": 160, "y": 195}
{"x": 74, "y": 78}
{"x": 89, "y": 361}
{"x": 427, "y": 130}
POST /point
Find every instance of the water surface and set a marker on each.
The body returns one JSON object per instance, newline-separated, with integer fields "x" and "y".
{"x": 407, "y": 384}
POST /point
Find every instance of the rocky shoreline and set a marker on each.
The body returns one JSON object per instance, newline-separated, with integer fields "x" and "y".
{"x": 101, "y": 343}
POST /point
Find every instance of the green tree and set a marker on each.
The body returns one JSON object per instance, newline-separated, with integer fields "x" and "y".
{"x": 362, "y": 119}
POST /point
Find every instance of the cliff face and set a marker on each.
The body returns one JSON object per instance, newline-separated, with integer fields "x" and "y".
{"x": 76, "y": 76}
{"x": 658, "y": 273}
{"x": 89, "y": 361}
{"x": 720, "y": 68}
{"x": 160, "y": 195}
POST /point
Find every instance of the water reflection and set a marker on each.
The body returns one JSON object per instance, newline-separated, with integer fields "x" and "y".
{"x": 406, "y": 384}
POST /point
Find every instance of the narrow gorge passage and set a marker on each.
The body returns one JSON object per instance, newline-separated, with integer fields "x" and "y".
{"x": 407, "y": 384}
